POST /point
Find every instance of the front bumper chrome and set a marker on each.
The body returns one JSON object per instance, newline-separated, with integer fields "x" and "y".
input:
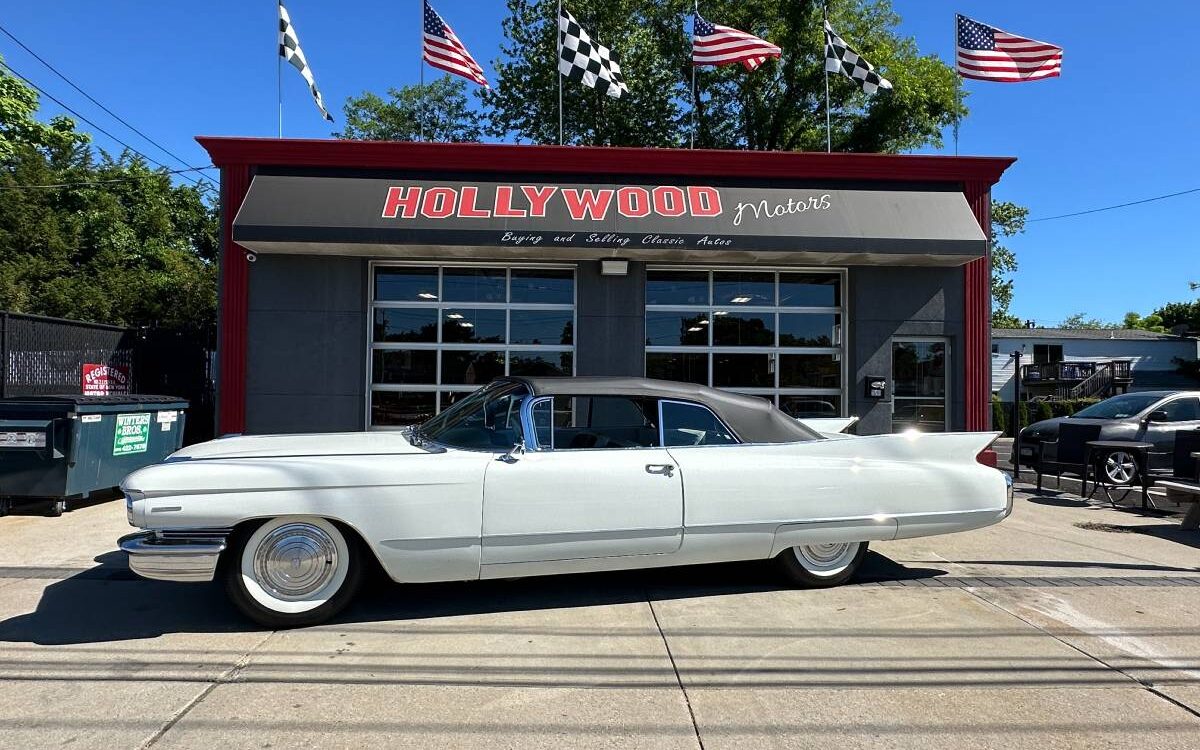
{"x": 175, "y": 555}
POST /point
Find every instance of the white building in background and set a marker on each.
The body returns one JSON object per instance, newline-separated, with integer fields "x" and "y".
{"x": 1150, "y": 355}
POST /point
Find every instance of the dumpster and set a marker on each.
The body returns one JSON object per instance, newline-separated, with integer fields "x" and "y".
{"x": 56, "y": 451}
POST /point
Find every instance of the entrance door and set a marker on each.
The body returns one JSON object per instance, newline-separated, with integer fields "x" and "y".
{"x": 920, "y": 384}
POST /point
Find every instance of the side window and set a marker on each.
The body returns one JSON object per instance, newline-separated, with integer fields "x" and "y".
{"x": 591, "y": 422}
{"x": 1182, "y": 410}
{"x": 691, "y": 424}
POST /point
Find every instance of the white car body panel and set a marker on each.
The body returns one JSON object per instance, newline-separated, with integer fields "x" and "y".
{"x": 446, "y": 514}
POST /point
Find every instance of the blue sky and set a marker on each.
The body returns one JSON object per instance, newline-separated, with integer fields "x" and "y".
{"x": 1119, "y": 125}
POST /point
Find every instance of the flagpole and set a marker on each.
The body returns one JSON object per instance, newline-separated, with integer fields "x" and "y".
{"x": 828, "y": 131}
{"x": 557, "y": 57}
{"x": 696, "y": 12}
{"x": 279, "y": 67}
{"x": 957, "y": 86}
{"x": 421, "y": 110}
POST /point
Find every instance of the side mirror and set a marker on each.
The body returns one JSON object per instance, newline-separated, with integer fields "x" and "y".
{"x": 1158, "y": 415}
{"x": 511, "y": 457}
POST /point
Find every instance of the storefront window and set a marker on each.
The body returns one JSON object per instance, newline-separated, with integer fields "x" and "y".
{"x": 438, "y": 333}
{"x": 774, "y": 334}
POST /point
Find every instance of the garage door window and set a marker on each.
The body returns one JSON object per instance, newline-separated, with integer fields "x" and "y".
{"x": 770, "y": 333}
{"x": 441, "y": 332}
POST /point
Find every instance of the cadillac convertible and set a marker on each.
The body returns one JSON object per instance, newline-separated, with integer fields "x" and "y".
{"x": 532, "y": 476}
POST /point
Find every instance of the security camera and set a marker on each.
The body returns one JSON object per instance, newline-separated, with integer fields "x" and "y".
{"x": 251, "y": 257}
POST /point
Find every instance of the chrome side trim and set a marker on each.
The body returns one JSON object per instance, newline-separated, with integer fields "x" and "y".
{"x": 177, "y": 555}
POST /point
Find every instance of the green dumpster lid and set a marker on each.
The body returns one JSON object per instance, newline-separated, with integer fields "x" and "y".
{"x": 114, "y": 400}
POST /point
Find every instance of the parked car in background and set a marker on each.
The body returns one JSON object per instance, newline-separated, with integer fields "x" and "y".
{"x": 529, "y": 476}
{"x": 1148, "y": 416}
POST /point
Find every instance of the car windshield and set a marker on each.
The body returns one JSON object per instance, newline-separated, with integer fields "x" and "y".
{"x": 1119, "y": 407}
{"x": 488, "y": 419}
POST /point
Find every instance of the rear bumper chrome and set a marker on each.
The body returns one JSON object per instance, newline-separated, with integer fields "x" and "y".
{"x": 175, "y": 555}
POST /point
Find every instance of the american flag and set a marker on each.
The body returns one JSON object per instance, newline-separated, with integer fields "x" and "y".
{"x": 989, "y": 54}
{"x": 442, "y": 50}
{"x": 720, "y": 45}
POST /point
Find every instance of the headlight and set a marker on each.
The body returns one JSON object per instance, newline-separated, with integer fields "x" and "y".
{"x": 134, "y": 507}
{"x": 15, "y": 439}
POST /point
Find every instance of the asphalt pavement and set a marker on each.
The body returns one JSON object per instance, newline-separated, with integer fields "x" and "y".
{"x": 1070, "y": 625}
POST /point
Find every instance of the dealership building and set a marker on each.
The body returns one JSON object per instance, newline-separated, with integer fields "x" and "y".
{"x": 368, "y": 285}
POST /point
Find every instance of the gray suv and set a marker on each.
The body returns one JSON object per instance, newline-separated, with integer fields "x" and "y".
{"x": 1147, "y": 416}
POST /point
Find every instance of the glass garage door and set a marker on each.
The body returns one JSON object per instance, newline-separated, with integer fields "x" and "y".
{"x": 775, "y": 334}
{"x": 441, "y": 331}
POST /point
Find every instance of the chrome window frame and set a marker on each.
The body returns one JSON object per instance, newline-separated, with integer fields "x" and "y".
{"x": 775, "y": 392}
{"x": 662, "y": 427}
{"x": 438, "y": 388}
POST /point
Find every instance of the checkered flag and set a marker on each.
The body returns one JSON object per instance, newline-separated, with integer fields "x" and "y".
{"x": 289, "y": 49}
{"x": 581, "y": 59}
{"x": 839, "y": 58}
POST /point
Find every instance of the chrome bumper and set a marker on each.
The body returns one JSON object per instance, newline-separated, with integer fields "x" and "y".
{"x": 175, "y": 555}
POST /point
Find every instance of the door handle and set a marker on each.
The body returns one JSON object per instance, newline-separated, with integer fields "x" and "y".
{"x": 664, "y": 469}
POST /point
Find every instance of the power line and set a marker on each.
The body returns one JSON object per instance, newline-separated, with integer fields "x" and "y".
{"x": 42, "y": 91}
{"x": 1119, "y": 205}
{"x": 92, "y": 99}
{"x": 85, "y": 183}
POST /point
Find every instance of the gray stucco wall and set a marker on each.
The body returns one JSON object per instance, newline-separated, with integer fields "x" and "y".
{"x": 306, "y": 348}
{"x": 611, "y": 315}
{"x": 890, "y": 301}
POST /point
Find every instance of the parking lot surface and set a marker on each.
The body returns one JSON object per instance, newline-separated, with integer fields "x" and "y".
{"x": 1068, "y": 626}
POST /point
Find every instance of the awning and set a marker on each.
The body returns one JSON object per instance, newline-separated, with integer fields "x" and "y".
{"x": 395, "y": 217}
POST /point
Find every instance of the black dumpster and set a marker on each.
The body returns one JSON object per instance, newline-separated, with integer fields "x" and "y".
{"x": 56, "y": 451}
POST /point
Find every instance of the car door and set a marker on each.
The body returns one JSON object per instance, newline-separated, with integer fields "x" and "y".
{"x": 1177, "y": 414}
{"x": 593, "y": 483}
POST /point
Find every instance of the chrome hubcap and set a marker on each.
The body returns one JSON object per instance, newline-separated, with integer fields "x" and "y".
{"x": 295, "y": 560}
{"x": 820, "y": 558}
{"x": 1120, "y": 467}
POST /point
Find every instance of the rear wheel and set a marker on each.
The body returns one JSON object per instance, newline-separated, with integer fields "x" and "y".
{"x": 822, "y": 565}
{"x": 292, "y": 571}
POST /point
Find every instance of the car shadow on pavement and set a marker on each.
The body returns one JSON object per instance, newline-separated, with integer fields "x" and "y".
{"x": 108, "y": 603}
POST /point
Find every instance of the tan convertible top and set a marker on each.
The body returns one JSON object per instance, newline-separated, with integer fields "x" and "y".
{"x": 755, "y": 420}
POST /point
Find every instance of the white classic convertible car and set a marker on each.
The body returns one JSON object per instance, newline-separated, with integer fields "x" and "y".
{"x": 530, "y": 476}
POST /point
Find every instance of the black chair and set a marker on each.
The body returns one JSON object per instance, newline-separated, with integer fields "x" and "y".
{"x": 1183, "y": 486}
{"x": 1067, "y": 454}
{"x": 1183, "y": 466}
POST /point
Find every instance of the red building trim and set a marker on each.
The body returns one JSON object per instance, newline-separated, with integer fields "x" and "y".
{"x": 232, "y": 312}
{"x": 236, "y": 157}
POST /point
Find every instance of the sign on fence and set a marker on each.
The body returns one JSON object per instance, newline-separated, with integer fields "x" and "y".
{"x": 105, "y": 380}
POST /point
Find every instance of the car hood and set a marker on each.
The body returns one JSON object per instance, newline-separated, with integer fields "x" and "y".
{"x": 320, "y": 444}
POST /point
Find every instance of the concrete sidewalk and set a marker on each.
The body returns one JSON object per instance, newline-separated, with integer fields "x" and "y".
{"x": 1069, "y": 625}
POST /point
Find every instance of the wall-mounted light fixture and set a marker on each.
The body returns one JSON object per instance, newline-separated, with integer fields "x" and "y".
{"x": 614, "y": 267}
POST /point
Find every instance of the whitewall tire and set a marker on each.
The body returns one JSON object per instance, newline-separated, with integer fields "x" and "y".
{"x": 822, "y": 565}
{"x": 292, "y": 571}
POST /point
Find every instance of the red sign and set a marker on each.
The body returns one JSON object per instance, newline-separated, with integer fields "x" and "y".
{"x": 105, "y": 380}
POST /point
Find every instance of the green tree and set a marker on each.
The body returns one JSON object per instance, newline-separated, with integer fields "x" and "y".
{"x": 18, "y": 127}
{"x": 1080, "y": 321}
{"x": 780, "y": 106}
{"x": 441, "y": 105}
{"x": 1180, "y": 314}
{"x": 1152, "y": 322}
{"x": 1008, "y": 220}
{"x": 111, "y": 240}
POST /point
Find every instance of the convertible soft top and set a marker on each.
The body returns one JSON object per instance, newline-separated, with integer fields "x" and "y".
{"x": 755, "y": 420}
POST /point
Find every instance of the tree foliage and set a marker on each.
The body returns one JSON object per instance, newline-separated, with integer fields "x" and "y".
{"x": 1152, "y": 322}
{"x": 1080, "y": 321}
{"x": 115, "y": 241}
{"x": 780, "y": 106}
{"x": 442, "y": 107}
{"x": 1008, "y": 220}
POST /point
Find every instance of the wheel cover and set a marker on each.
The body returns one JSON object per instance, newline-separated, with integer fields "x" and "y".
{"x": 295, "y": 560}
{"x": 826, "y": 559}
{"x": 1120, "y": 467}
{"x": 294, "y": 564}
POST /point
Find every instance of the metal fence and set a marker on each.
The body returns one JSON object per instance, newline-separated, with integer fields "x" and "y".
{"x": 42, "y": 356}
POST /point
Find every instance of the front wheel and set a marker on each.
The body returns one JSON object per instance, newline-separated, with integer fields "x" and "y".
{"x": 822, "y": 565}
{"x": 292, "y": 571}
{"x": 1120, "y": 468}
